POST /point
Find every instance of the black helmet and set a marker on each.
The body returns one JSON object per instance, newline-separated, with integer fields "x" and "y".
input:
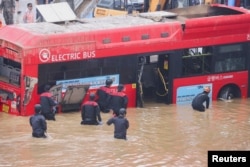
{"x": 120, "y": 87}
{"x": 109, "y": 82}
{"x": 37, "y": 108}
{"x": 91, "y": 96}
{"x": 46, "y": 88}
{"x": 122, "y": 111}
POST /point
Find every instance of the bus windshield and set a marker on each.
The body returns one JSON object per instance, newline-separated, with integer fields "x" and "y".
{"x": 10, "y": 71}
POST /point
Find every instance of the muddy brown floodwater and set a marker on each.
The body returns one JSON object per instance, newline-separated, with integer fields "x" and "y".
{"x": 159, "y": 135}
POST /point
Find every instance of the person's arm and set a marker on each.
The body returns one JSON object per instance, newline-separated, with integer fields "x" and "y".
{"x": 97, "y": 110}
{"x": 44, "y": 124}
{"x": 125, "y": 102}
{"x": 82, "y": 112}
{"x": 97, "y": 94}
{"x": 30, "y": 120}
{"x": 127, "y": 123}
{"x": 108, "y": 97}
{"x": 52, "y": 102}
{"x": 110, "y": 121}
{"x": 207, "y": 102}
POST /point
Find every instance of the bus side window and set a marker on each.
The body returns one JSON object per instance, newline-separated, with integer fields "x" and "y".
{"x": 230, "y": 58}
{"x": 196, "y": 61}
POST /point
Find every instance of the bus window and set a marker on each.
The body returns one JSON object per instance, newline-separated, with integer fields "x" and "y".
{"x": 91, "y": 68}
{"x": 10, "y": 71}
{"x": 230, "y": 58}
{"x": 129, "y": 69}
{"x": 6, "y": 95}
{"x": 50, "y": 73}
{"x": 109, "y": 66}
{"x": 197, "y": 61}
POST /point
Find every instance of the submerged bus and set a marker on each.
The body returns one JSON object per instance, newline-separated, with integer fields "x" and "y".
{"x": 163, "y": 57}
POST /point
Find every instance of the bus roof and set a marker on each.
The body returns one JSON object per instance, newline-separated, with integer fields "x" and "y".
{"x": 178, "y": 20}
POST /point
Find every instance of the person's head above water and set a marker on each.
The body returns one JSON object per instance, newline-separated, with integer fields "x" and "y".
{"x": 92, "y": 96}
{"x": 206, "y": 89}
{"x": 122, "y": 112}
{"x": 37, "y": 108}
{"x": 109, "y": 82}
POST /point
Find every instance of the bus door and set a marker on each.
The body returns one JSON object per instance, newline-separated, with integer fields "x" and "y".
{"x": 152, "y": 79}
{"x": 72, "y": 99}
{"x": 162, "y": 78}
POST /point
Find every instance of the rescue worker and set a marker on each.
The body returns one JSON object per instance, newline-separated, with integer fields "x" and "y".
{"x": 8, "y": 9}
{"x": 121, "y": 124}
{"x": 48, "y": 104}
{"x": 199, "y": 99}
{"x": 38, "y": 123}
{"x": 90, "y": 112}
{"x": 103, "y": 94}
{"x": 118, "y": 100}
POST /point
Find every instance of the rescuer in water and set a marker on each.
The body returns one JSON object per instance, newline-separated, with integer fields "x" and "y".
{"x": 121, "y": 124}
{"x": 48, "y": 104}
{"x": 38, "y": 123}
{"x": 199, "y": 99}
{"x": 90, "y": 112}
{"x": 103, "y": 96}
{"x": 118, "y": 100}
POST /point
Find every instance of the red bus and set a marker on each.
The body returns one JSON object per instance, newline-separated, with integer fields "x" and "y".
{"x": 163, "y": 57}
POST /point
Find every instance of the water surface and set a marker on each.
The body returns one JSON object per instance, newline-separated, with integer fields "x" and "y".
{"x": 159, "y": 135}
